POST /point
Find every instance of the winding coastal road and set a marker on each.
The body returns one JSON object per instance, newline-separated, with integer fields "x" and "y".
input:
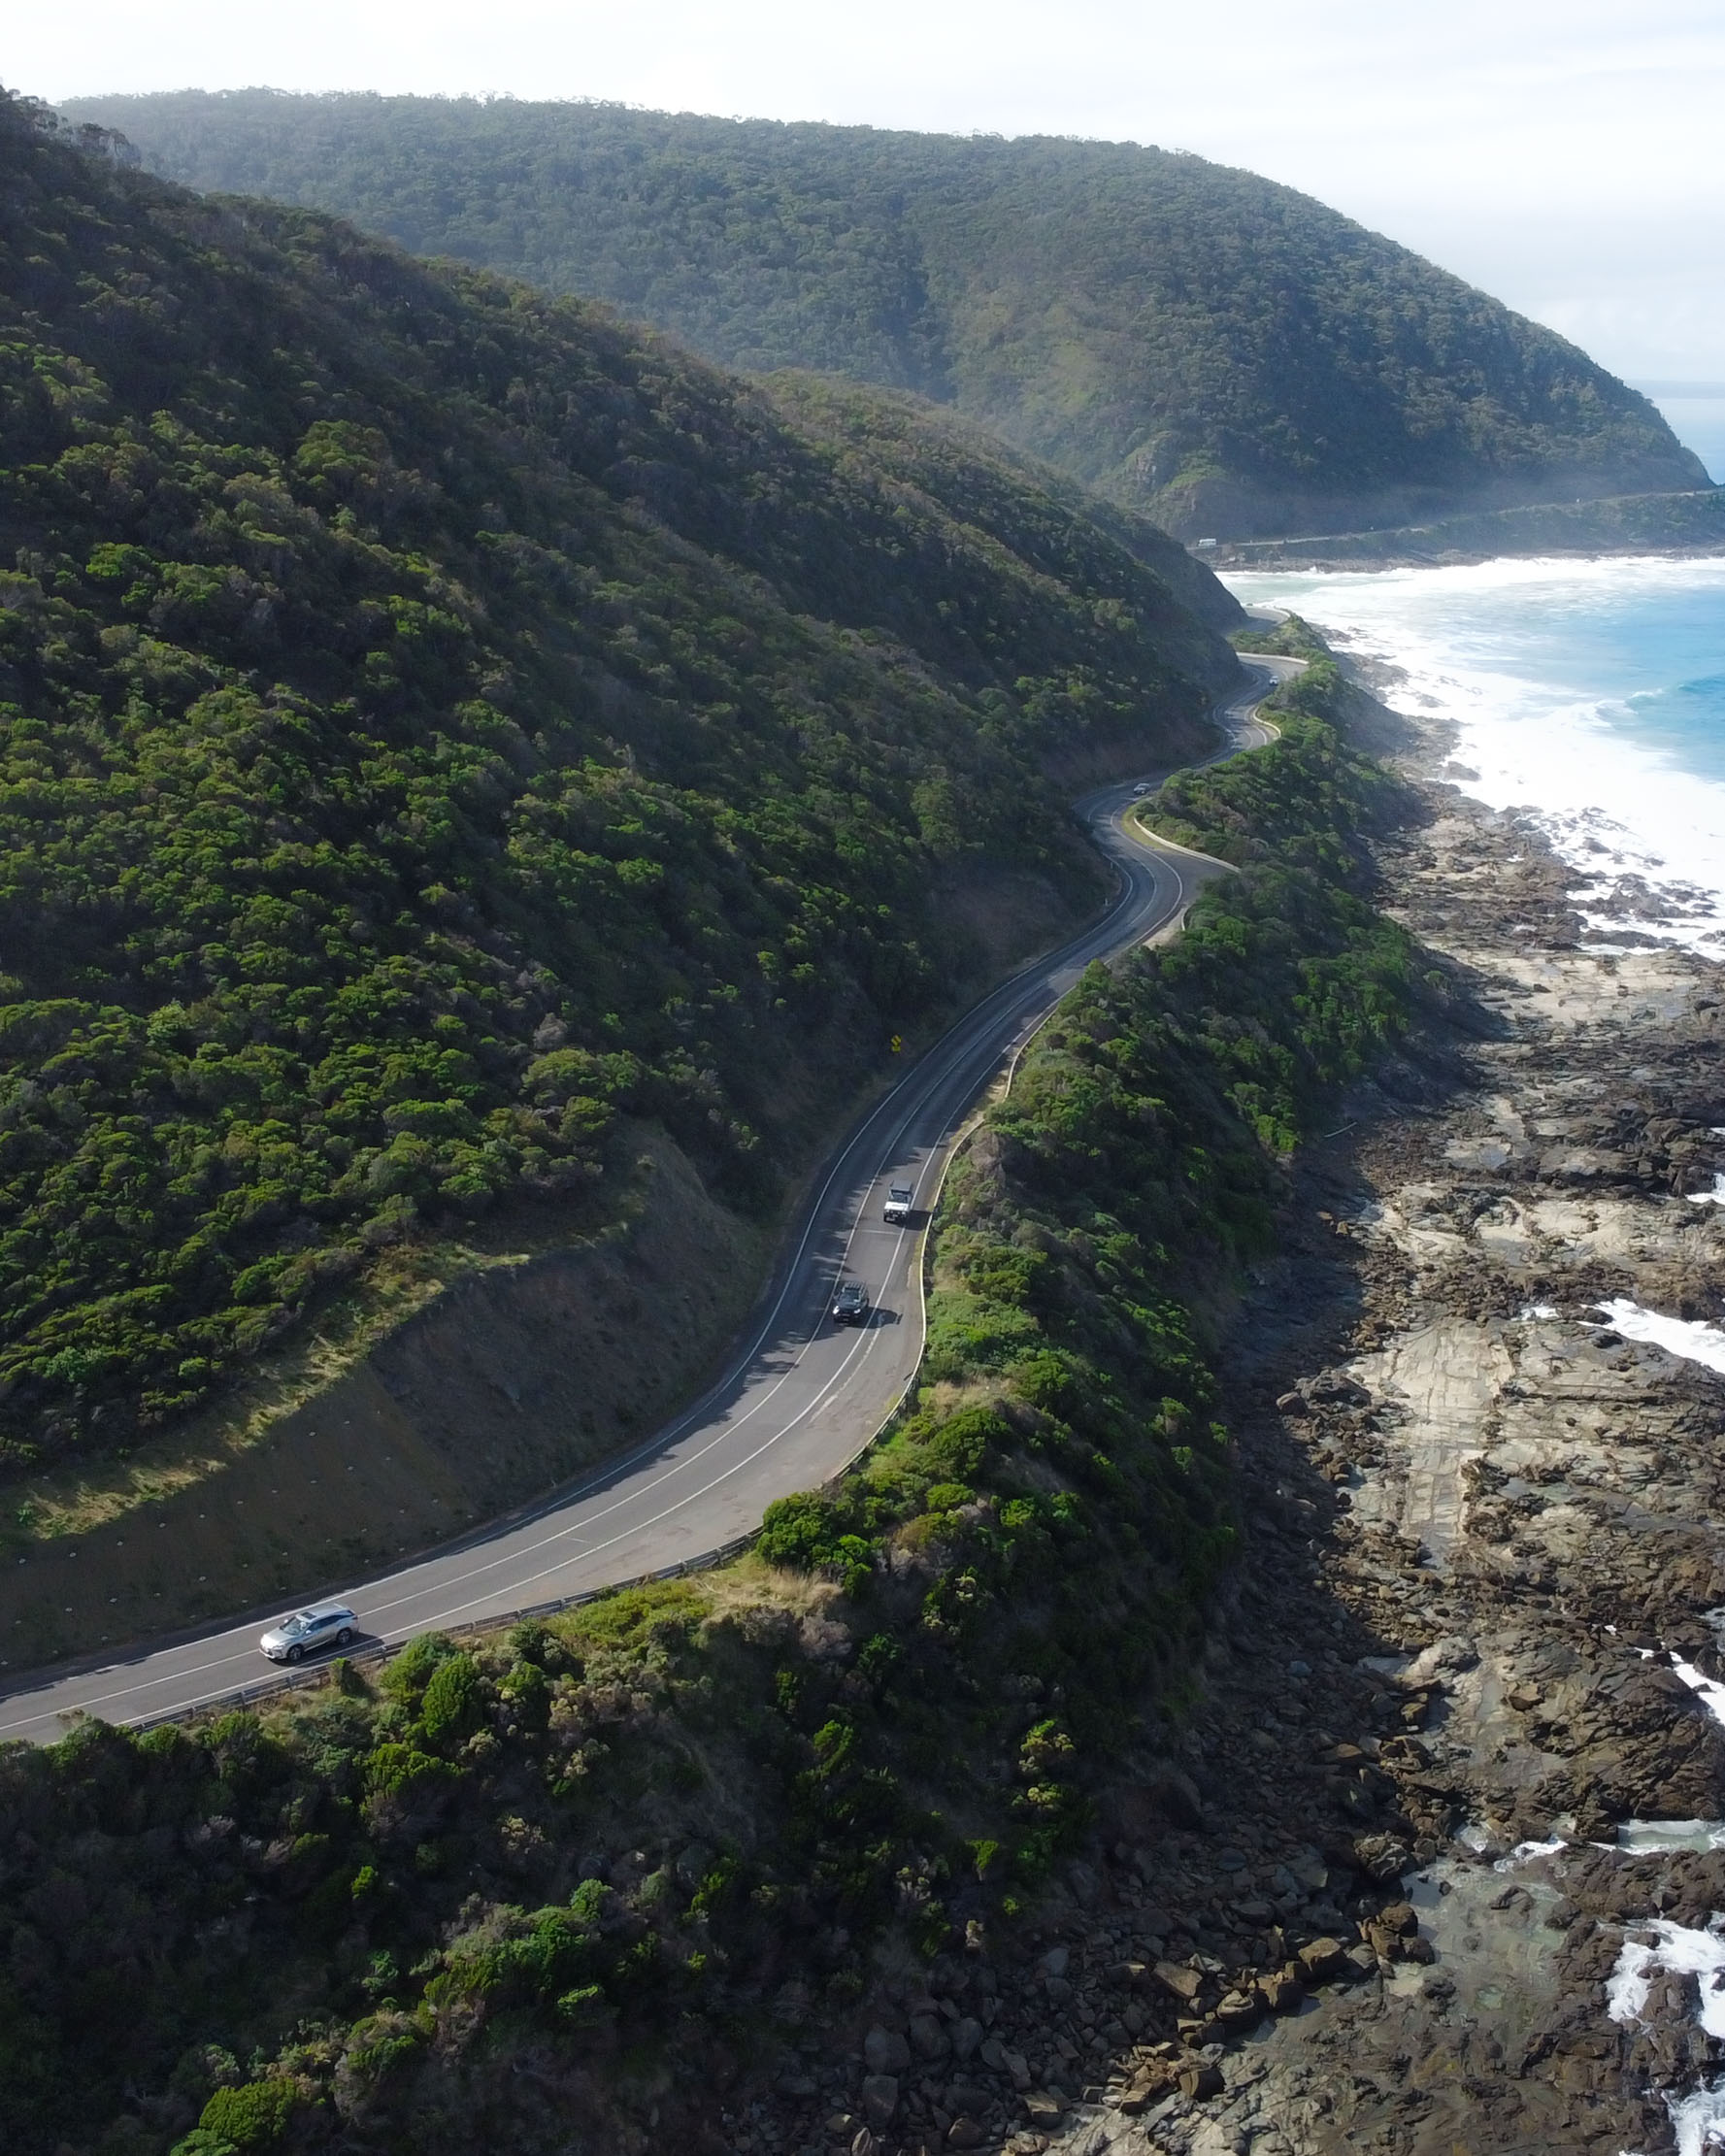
{"x": 801, "y": 1398}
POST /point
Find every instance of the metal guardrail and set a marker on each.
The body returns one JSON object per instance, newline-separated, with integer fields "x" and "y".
{"x": 307, "y": 1679}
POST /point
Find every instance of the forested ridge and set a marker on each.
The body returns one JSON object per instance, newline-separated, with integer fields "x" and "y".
{"x": 1222, "y": 352}
{"x": 435, "y": 720}
{"x": 579, "y": 1883}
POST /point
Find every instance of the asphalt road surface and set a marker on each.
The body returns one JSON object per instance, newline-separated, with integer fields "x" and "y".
{"x": 802, "y": 1397}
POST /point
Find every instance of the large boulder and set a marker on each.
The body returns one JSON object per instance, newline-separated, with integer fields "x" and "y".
{"x": 880, "y": 2099}
{"x": 928, "y": 2040}
{"x": 1180, "y": 1981}
{"x": 1322, "y": 1959}
{"x": 884, "y": 2051}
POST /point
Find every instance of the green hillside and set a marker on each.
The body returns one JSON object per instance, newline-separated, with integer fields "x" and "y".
{"x": 612, "y": 1882}
{"x": 436, "y": 721}
{"x": 1229, "y": 356}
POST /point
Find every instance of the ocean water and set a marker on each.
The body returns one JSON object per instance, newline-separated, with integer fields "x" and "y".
{"x": 1588, "y": 694}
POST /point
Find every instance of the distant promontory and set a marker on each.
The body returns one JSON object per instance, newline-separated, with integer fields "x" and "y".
{"x": 1211, "y": 350}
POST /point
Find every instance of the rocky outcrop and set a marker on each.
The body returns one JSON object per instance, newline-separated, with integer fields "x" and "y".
{"x": 1506, "y": 1515}
{"x": 1460, "y": 1660}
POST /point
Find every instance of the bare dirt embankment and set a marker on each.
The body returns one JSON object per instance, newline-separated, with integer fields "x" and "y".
{"x": 490, "y": 1375}
{"x": 457, "y": 1381}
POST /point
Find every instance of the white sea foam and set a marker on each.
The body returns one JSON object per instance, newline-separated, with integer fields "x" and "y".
{"x": 1712, "y": 1692}
{"x": 1714, "y": 1197}
{"x": 1660, "y": 1945}
{"x": 1676, "y": 1950}
{"x": 1691, "y": 1338}
{"x": 1699, "y": 2121}
{"x": 1561, "y": 698}
{"x": 1524, "y": 1852}
{"x": 1645, "y": 1838}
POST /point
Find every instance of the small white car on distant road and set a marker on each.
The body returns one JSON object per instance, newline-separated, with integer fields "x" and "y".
{"x": 900, "y": 1197}
{"x": 325, "y": 1624}
{"x": 1138, "y": 791}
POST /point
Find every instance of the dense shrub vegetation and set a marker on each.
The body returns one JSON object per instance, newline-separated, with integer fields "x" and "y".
{"x": 409, "y": 1911}
{"x": 435, "y": 719}
{"x": 1223, "y": 352}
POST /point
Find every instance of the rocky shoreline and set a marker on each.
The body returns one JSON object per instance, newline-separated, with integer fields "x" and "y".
{"x": 1484, "y": 1546}
{"x": 1385, "y": 1884}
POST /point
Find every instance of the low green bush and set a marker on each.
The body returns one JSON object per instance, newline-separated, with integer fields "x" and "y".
{"x": 252, "y": 2116}
{"x": 455, "y": 1700}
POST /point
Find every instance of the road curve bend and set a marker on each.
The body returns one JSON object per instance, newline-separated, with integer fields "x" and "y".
{"x": 799, "y": 1399}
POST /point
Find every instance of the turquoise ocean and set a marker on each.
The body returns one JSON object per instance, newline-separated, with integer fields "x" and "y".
{"x": 1587, "y": 694}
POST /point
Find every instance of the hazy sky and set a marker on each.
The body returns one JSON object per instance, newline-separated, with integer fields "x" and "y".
{"x": 1564, "y": 153}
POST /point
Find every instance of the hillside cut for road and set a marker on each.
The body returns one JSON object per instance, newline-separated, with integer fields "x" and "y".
{"x": 1226, "y": 355}
{"x": 701, "y": 1853}
{"x": 444, "y": 730}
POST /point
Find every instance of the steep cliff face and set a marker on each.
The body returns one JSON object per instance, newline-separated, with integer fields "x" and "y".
{"x": 1224, "y": 354}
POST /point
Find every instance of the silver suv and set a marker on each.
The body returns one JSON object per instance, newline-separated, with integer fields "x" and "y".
{"x": 327, "y": 1624}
